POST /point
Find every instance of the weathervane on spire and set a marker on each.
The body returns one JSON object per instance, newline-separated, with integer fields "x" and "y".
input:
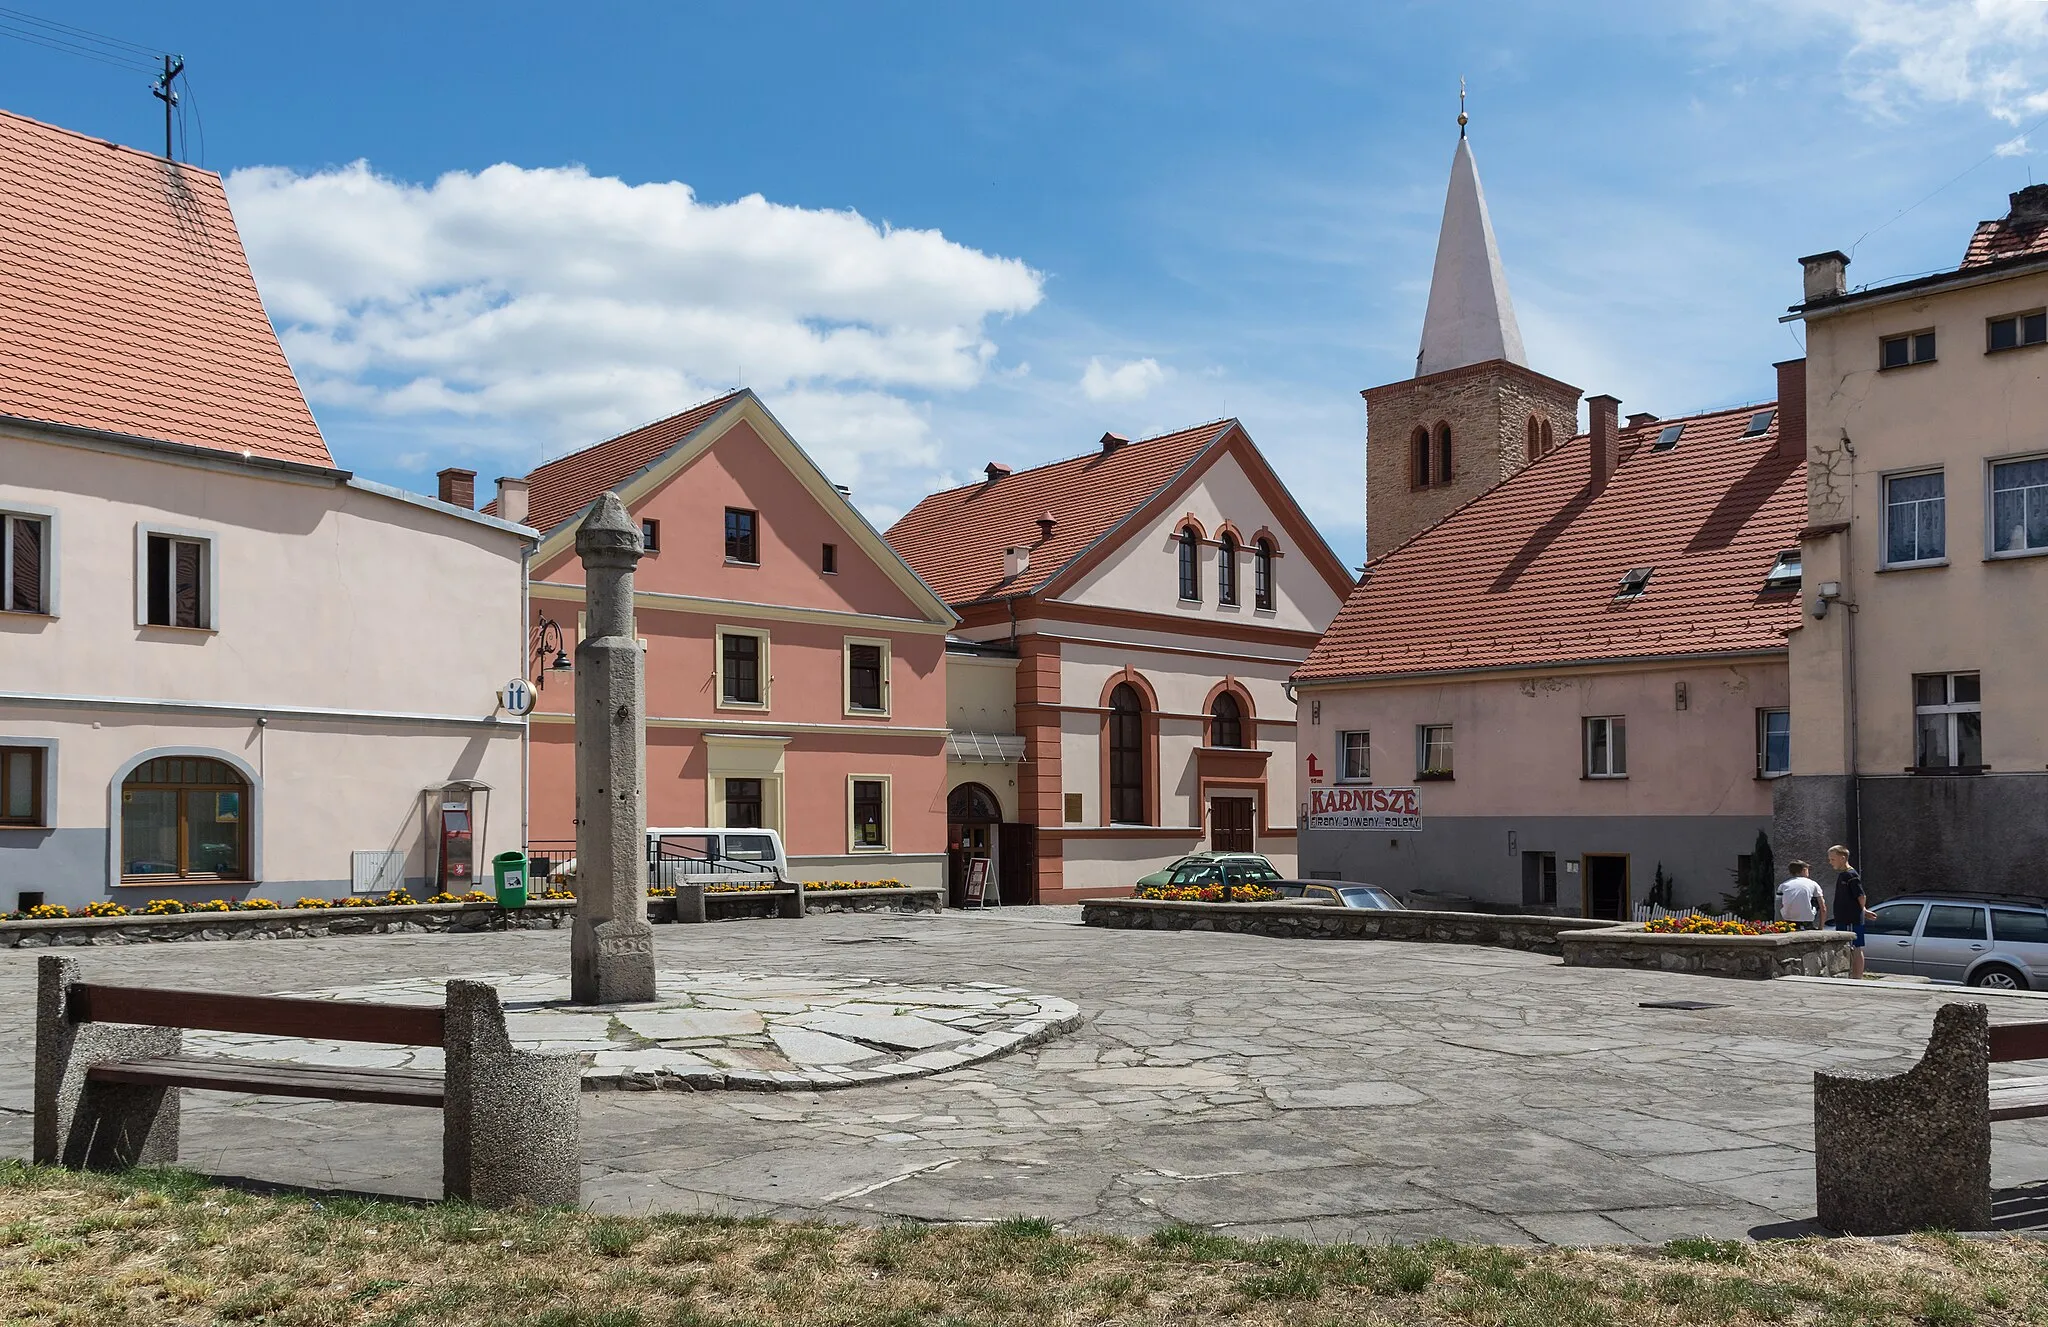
{"x": 1461, "y": 106}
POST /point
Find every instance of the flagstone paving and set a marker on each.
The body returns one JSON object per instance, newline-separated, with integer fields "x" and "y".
{"x": 1321, "y": 1089}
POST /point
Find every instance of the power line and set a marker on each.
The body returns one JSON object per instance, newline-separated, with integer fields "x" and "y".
{"x": 54, "y": 42}
{"x": 1973, "y": 166}
{"x": 68, "y": 30}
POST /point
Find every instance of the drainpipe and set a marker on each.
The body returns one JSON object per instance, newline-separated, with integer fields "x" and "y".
{"x": 526, "y": 723}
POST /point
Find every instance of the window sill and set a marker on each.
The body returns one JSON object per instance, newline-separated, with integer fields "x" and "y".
{"x": 1915, "y": 364}
{"x": 869, "y": 851}
{"x": 1223, "y": 604}
{"x": 1603, "y": 778}
{"x": 1929, "y": 565}
{"x": 1771, "y": 776}
{"x": 37, "y": 615}
{"x": 1948, "y": 769}
{"x": 1434, "y": 776}
{"x": 183, "y": 631}
{"x": 1266, "y": 610}
{"x": 24, "y": 826}
{"x": 738, "y": 562}
{"x": 2007, "y": 350}
{"x": 1354, "y": 783}
{"x": 752, "y": 707}
{"x": 1186, "y": 602}
{"x": 2015, "y": 554}
{"x": 857, "y": 713}
{"x": 181, "y": 882}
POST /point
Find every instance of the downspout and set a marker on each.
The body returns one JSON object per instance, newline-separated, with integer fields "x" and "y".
{"x": 1854, "y": 837}
{"x": 525, "y": 662}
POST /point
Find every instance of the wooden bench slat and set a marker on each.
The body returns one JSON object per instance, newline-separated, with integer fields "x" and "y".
{"x": 2019, "y": 1041}
{"x": 262, "y": 1015}
{"x": 393, "y": 1087}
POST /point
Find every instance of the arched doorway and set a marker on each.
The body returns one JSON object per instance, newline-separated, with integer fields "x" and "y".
{"x": 972, "y": 815}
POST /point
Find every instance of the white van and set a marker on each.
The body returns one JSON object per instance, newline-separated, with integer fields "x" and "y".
{"x": 702, "y": 856}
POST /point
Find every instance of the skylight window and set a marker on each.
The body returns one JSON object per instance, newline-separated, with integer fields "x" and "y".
{"x": 1633, "y": 584}
{"x": 1784, "y": 573}
{"x": 1759, "y": 422}
{"x": 1667, "y": 437}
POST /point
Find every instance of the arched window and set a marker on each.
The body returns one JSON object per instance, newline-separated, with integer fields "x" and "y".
{"x": 1226, "y": 722}
{"x": 184, "y": 818}
{"x": 1443, "y": 453}
{"x": 1534, "y": 448}
{"x": 1226, "y": 569}
{"x": 972, "y": 804}
{"x": 1419, "y": 462}
{"x": 1190, "y": 563}
{"x": 1262, "y": 574}
{"x": 1548, "y": 441}
{"x": 1126, "y": 756}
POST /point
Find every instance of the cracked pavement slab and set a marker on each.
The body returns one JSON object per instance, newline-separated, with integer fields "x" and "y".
{"x": 1326, "y": 1090}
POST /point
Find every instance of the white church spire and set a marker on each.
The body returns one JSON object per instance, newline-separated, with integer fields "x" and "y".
{"x": 1470, "y": 319}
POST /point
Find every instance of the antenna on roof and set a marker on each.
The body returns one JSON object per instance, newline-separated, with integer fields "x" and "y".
{"x": 162, "y": 90}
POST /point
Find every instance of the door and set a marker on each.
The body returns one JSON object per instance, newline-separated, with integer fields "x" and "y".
{"x": 972, "y": 815}
{"x": 1888, "y": 938}
{"x": 1952, "y": 938}
{"x": 1230, "y": 824}
{"x": 1607, "y": 886}
{"x": 1017, "y": 855}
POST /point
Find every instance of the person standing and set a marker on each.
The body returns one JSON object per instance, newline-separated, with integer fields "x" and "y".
{"x": 1801, "y": 900}
{"x": 1851, "y": 906}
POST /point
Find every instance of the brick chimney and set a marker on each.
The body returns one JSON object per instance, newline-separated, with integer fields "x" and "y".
{"x": 1114, "y": 442}
{"x": 2029, "y": 207}
{"x": 1791, "y": 409}
{"x": 512, "y": 499}
{"x": 1602, "y": 424}
{"x": 1045, "y": 526}
{"x": 1825, "y": 276}
{"x": 458, "y": 487}
{"x": 1640, "y": 418}
{"x": 1016, "y": 561}
{"x": 995, "y": 470}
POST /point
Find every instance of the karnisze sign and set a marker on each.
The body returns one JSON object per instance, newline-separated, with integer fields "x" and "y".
{"x": 1364, "y": 808}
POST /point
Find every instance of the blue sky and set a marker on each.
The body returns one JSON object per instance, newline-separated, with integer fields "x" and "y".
{"x": 1152, "y": 213}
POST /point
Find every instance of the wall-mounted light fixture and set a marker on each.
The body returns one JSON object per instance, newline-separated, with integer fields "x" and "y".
{"x": 1830, "y": 593}
{"x": 547, "y": 640}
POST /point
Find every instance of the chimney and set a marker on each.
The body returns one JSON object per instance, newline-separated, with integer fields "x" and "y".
{"x": 1045, "y": 525}
{"x": 512, "y": 494}
{"x": 458, "y": 487}
{"x": 1113, "y": 442}
{"x": 994, "y": 470}
{"x": 1792, "y": 409}
{"x": 1016, "y": 561}
{"x": 1640, "y": 418}
{"x": 1601, "y": 414}
{"x": 1824, "y": 274}
{"x": 2029, "y": 207}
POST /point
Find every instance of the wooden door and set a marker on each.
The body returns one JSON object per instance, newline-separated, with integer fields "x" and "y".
{"x": 1017, "y": 863}
{"x": 1230, "y": 824}
{"x": 1606, "y": 886}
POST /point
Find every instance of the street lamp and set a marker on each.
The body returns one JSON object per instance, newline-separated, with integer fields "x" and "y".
{"x": 547, "y": 639}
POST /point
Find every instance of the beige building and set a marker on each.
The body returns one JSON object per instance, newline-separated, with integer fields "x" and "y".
{"x": 1919, "y": 688}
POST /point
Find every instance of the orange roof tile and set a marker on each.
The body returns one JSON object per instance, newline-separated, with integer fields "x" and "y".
{"x": 1527, "y": 573}
{"x": 563, "y": 487}
{"x": 955, "y": 539}
{"x": 1997, "y": 240}
{"x": 128, "y": 306}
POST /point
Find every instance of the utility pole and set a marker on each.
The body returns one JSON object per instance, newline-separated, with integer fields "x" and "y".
{"x": 162, "y": 90}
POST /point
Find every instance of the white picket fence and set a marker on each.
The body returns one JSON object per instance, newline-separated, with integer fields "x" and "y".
{"x": 1649, "y": 912}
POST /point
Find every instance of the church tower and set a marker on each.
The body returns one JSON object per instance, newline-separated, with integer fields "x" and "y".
{"x": 1474, "y": 413}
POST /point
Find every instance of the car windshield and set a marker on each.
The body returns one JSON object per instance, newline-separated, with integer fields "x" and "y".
{"x": 1370, "y": 898}
{"x": 1252, "y": 873}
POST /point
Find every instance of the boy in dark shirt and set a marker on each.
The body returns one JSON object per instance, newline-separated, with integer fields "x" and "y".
{"x": 1851, "y": 907}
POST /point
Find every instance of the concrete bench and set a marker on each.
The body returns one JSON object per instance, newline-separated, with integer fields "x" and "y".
{"x": 110, "y": 1062}
{"x": 1913, "y": 1151}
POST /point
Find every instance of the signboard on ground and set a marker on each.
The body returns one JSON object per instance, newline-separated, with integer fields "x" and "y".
{"x": 977, "y": 882}
{"x": 1382, "y": 809}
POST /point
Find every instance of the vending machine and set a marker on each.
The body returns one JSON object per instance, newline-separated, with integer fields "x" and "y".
{"x": 455, "y": 816}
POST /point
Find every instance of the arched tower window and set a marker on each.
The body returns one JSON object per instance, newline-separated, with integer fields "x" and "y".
{"x": 1226, "y": 722}
{"x": 1534, "y": 448}
{"x": 1262, "y": 574}
{"x": 1548, "y": 441}
{"x": 1190, "y": 563}
{"x": 1226, "y": 569}
{"x": 1419, "y": 461}
{"x": 1443, "y": 453}
{"x": 1126, "y": 756}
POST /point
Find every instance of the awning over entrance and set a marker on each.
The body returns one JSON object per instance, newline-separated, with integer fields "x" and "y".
{"x": 985, "y": 748}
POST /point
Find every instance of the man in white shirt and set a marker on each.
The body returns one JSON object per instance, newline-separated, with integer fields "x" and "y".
{"x": 1800, "y": 898}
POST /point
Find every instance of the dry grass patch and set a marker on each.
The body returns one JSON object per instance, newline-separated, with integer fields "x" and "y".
{"x": 161, "y": 1248}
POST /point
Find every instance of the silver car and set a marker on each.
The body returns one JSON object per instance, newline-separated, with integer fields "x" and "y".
{"x": 1999, "y": 943}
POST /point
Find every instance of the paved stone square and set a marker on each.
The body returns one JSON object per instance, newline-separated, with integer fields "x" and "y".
{"x": 1355, "y": 1090}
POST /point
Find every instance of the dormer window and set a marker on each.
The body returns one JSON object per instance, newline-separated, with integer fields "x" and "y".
{"x": 1784, "y": 573}
{"x": 1759, "y": 423}
{"x": 1634, "y": 584}
{"x": 1667, "y": 437}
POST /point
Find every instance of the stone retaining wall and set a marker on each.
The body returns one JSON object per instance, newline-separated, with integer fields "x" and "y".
{"x": 1315, "y": 921}
{"x": 908, "y": 899}
{"x": 284, "y": 924}
{"x": 1795, "y": 954}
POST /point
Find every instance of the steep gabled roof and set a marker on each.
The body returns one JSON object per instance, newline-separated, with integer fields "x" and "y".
{"x": 1527, "y": 573}
{"x": 128, "y": 307}
{"x": 565, "y": 486}
{"x": 1470, "y": 318}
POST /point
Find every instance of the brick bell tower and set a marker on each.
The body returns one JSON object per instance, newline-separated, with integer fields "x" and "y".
{"x": 1474, "y": 413}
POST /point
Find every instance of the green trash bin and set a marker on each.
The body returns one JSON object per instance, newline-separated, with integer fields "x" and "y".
{"x": 510, "y": 870}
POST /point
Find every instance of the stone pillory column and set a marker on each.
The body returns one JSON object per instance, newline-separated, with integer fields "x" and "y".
{"x": 611, "y": 951}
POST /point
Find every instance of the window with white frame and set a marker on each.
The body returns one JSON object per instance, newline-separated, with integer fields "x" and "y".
{"x": 1948, "y": 716}
{"x": 1915, "y": 519}
{"x": 24, "y": 776}
{"x": 2019, "y": 505}
{"x": 742, "y": 668}
{"x": 25, "y": 563}
{"x": 1433, "y": 751}
{"x": 1773, "y": 742}
{"x": 867, "y": 813}
{"x": 177, "y": 579}
{"x": 1606, "y": 747}
{"x": 1354, "y": 757}
{"x": 867, "y": 677}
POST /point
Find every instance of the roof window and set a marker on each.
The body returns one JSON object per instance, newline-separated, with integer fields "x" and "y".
{"x": 1633, "y": 584}
{"x": 1784, "y": 573}
{"x": 1759, "y": 422}
{"x": 1667, "y": 437}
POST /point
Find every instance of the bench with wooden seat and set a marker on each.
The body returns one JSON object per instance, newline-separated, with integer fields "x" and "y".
{"x": 1913, "y": 1151}
{"x": 110, "y": 1063}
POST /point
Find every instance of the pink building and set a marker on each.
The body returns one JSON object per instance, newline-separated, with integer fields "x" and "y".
{"x": 795, "y": 664}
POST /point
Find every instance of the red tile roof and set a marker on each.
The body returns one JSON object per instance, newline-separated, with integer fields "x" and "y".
{"x": 1527, "y": 573}
{"x": 955, "y": 540}
{"x": 562, "y": 488}
{"x": 1998, "y": 240}
{"x": 127, "y": 305}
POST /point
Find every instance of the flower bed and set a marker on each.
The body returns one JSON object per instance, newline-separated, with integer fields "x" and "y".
{"x": 1207, "y": 893}
{"x": 1708, "y": 926}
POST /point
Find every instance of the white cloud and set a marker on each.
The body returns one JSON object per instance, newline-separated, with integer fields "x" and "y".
{"x": 2012, "y": 147}
{"x": 546, "y": 308}
{"x": 1132, "y": 380}
{"x": 1993, "y": 53}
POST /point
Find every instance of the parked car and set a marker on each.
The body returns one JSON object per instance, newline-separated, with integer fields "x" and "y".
{"x": 1231, "y": 869}
{"x": 1341, "y": 893}
{"x": 1980, "y": 940}
{"x": 1195, "y": 858}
